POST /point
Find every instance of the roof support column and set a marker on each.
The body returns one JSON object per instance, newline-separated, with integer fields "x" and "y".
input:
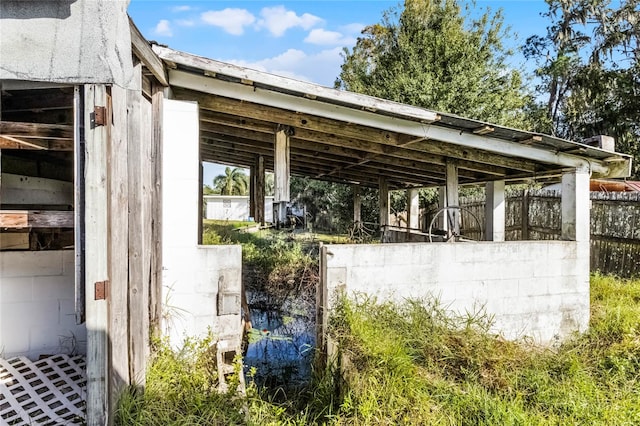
{"x": 494, "y": 211}
{"x": 357, "y": 204}
{"x": 442, "y": 203}
{"x": 575, "y": 206}
{"x": 384, "y": 204}
{"x": 257, "y": 190}
{"x": 453, "y": 215}
{"x": 282, "y": 174}
{"x": 413, "y": 207}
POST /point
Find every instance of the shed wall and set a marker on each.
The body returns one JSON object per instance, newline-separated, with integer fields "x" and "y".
{"x": 37, "y": 314}
{"x": 538, "y": 289}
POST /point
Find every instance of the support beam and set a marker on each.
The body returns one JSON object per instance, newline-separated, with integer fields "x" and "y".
{"x": 384, "y": 202}
{"x": 575, "y": 206}
{"x": 282, "y": 172}
{"x": 394, "y": 126}
{"x": 357, "y": 204}
{"x": 495, "y": 211}
{"x": 452, "y": 196}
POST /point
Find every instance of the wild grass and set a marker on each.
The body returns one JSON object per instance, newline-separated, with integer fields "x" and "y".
{"x": 412, "y": 364}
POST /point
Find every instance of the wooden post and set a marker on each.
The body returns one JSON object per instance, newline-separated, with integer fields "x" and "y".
{"x": 97, "y": 229}
{"x": 119, "y": 256}
{"x": 494, "y": 211}
{"x": 200, "y": 200}
{"x": 525, "y": 215}
{"x": 452, "y": 195}
{"x": 357, "y": 204}
{"x": 260, "y": 190}
{"x": 413, "y": 209}
{"x": 138, "y": 148}
{"x": 79, "y": 194}
{"x": 282, "y": 172}
{"x": 384, "y": 203}
{"x": 252, "y": 191}
{"x": 155, "y": 285}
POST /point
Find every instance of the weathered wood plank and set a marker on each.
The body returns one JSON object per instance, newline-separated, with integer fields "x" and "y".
{"x": 36, "y": 219}
{"x": 155, "y": 285}
{"x": 138, "y": 157}
{"x": 141, "y": 48}
{"x": 97, "y": 230}
{"x": 36, "y": 130}
{"x": 119, "y": 257}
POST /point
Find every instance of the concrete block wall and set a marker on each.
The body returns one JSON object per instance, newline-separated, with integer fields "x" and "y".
{"x": 194, "y": 277}
{"x": 193, "y": 282}
{"x": 37, "y": 313}
{"x": 537, "y": 289}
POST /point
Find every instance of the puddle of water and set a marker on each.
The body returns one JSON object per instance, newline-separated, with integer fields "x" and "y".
{"x": 281, "y": 344}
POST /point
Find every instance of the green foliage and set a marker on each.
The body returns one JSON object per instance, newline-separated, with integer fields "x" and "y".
{"x": 414, "y": 364}
{"x": 181, "y": 389}
{"x": 588, "y": 69}
{"x": 432, "y": 54}
{"x": 232, "y": 182}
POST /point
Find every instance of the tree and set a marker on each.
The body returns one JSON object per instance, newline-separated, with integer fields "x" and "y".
{"x": 232, "y": 182}
{"x": 429, "y": 54}
{"x": 589, "y": 71}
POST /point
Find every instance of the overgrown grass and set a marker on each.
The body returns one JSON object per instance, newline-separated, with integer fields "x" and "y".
{"x": 411, "y": 364}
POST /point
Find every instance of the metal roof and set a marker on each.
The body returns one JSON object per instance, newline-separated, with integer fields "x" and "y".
{"x": 349, "y": 137}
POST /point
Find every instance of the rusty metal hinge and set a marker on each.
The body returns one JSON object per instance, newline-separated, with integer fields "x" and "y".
{"x": 98, "y": 117}
{"x": 100, "y": 290}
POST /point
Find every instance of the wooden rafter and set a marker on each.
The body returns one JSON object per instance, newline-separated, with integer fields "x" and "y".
{"x": 36, "y": 130}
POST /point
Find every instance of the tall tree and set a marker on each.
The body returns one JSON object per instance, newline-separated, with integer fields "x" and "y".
{"x": 589, "y": 70}
{"x": 232, "y": 182}
{"x": 432, "y": 54}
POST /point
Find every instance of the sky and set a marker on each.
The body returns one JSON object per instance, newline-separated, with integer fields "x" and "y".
{"x": 298, "y": 39}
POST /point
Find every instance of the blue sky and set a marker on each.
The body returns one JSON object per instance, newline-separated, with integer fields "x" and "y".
{"x": 299, "y": 39}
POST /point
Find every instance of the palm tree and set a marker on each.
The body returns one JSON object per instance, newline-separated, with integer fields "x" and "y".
{"x": 232, "y": 182}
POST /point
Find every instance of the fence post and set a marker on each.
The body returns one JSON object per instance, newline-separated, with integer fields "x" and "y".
{"x": 525, "y": 215}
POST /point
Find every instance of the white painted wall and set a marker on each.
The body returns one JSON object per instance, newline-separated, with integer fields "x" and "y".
{"x": 538, "y": 289}
{"x": 234, "y": 207}
{"x": 37, "y": 314}
{"x": 195, "y": 278}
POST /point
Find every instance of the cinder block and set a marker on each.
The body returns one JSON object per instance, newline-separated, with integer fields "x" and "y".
{"x": 533, "y": 286}
{"x": 16, "y": 289}
{"x": 67, "y": 313}
{"x": 52, "y": 288}
{"x": 14, "y": 339}
{"x": 498, "y": 289}
{"x": 30, "y": 263}
{"x": 335, "y": 277}
{"x": 69, "y": 263}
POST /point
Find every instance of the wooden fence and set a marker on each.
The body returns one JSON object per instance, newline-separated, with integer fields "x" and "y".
{"x": 536, "y": 215}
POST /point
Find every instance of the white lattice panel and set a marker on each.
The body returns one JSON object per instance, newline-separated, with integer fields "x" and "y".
{"x": 48, "y": 392}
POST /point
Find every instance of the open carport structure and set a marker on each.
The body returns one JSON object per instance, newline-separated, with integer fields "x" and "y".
{"x": 538, "y": 289}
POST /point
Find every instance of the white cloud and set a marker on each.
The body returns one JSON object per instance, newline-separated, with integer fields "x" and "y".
{"x": 231, "y": 20}
{"x": 354, "y": 28}
{"x": 277, "y": 20}
{"x": 181, "y": 8}
{"x": 322, "y": 67}
{"x": 185, "y": 22}
{"x": 163, "y": 28}
{"x": 328, "y": 38}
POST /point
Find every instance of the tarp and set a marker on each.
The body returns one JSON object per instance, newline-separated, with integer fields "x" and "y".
{"x": 66, "y": 41}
